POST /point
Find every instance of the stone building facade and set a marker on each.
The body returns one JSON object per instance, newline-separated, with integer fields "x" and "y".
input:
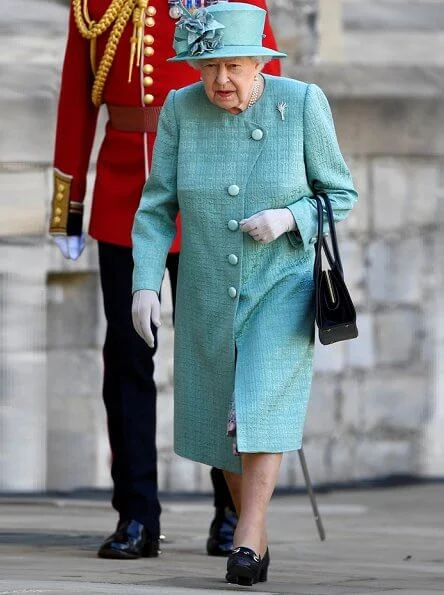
{"x": 377, "y": 405}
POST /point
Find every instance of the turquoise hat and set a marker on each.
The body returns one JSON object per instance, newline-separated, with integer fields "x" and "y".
{"x": 222, "y": 30}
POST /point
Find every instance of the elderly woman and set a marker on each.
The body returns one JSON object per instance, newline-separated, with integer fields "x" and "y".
{"x": 241, "y": 155}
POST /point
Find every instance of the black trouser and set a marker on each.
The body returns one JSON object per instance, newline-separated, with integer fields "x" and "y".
{"x": 129, "y": 394}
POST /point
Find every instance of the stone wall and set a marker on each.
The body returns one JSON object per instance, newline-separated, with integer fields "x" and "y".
{"x": 381, "y": 396}
{"x": 394, "y": 31}
{"x": 377, "y": 406}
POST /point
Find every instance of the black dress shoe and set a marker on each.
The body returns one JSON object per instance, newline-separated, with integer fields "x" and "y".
{"x": 220, "y": 541}
{"x": 243, "y": 567}
{"x": 130, "y": 541}
{"x": 262, "y": 574}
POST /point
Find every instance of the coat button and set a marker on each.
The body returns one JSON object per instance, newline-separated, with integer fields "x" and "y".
{"x": 148, "y": 99}
{"x": 148, "y": 50}
{"x": 233, "y": 225}
{"x": 232, "y": 292}
{"x": 150, "y": 22}
{"x": 233, "y": 190}
{"x": 151, "y": 11}
{"x": 233, "y": 259}
{"x": 257, "y": 134}
{"x": 148, "y": 39}
{"x": 148, "y": 68}
{"x": 147, "y": 81}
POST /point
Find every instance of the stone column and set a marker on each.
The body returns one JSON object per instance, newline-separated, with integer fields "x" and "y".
{"x": 330, "y": 31}
{"x": 27, "y": 107}
{"x": 52, "y": 420}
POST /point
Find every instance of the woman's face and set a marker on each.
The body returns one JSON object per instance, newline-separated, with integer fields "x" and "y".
{"x": 228, "y": 82}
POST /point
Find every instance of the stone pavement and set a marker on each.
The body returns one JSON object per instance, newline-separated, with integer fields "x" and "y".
{"x": 378, "y": 542}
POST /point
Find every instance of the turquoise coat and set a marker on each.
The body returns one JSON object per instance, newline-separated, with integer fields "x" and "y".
{"x": 245, "y": 311}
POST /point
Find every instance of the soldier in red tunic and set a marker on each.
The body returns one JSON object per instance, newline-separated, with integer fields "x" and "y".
{"x": 117, "y": 54}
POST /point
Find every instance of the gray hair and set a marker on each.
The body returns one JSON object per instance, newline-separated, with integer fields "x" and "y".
{"x": 262, "y": 59}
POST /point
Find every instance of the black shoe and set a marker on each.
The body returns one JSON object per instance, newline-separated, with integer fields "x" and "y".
{"x": 220, "y": 541}
{"x": 130, "y": 541}
{"x": 243, "y": 567}
{"x": 263, "y": 568}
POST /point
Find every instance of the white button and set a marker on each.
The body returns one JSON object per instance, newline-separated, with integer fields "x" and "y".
{"x": 233, "y": 190}
{"x": 233, "y": 225}
{"x": 233, "y": 259}
{"x": 257, "y": 134}
{"x": 232, "y": 292}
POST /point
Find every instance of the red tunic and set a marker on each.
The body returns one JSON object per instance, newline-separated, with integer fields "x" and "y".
{"x": 123, "y": 161}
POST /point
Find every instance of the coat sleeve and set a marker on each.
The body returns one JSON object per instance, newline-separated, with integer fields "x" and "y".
{"x": 325, "y": 167}
{"x": 154, "y": 224}
{"x": 76, "y": 126}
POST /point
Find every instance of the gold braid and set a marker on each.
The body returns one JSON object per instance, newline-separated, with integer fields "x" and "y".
{"x": 119, "y": 13}
{"x": 110, "y": 51}
{"x": 91, "y": 30}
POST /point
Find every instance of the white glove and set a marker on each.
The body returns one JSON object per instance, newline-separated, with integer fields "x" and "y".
{"x": 70, "y": 246}
{"x": 146, "y": 310}
{"x": 268, "y": 225}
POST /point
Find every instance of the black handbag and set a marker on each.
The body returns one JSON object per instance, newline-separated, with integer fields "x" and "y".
{"x": 335, "y": 312}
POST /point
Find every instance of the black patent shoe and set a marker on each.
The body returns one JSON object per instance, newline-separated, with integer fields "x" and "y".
{"x": 130, "y": 541}
{"x": 243, "y": 567}
{"x": 262, "y": 574}
{"x": 220, "y": 540}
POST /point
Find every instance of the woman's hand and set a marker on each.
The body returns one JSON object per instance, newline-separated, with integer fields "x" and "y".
{"x": 146, "y": 310}
{"x": 268, "y": 225}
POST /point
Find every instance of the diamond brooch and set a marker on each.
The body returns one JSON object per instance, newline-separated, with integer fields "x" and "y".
{"x": 281, "y": 107}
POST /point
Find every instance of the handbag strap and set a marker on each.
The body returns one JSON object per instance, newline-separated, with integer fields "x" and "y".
{"x": 334, "y": 259}
{"x": 317, "y": 268}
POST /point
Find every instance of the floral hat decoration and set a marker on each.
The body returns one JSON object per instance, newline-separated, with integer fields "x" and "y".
{"x": 222, "y": 30}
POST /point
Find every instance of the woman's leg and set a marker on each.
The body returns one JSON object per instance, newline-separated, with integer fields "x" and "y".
{"x": 251, "y": 492}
